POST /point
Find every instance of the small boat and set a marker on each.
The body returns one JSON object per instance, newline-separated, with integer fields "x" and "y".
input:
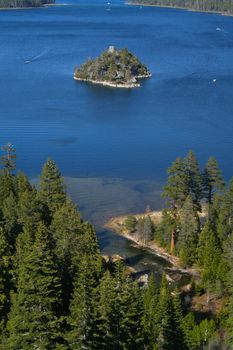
{"x": 27, "y": 62}
{"x": 214, "y": 80}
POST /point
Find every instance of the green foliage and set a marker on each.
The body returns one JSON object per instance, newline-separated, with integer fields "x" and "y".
{"x": 55, "y": 292}
{"x": 212, "y": 179}
{"x": 24, "y": 3}
{"x": 210, "y": 259}
{"x": 189, "y": 226}
{"x": 33, "y": 320}
{"x": 116, "y": 66}
{"x": 80, "y": 321}
{"x": 196, "y": 336}
{"x": 4, "y": 279}
{"x": 8, "y": 159}
{"x": 177, "y": 188}
{"x": 199, "y": 5}
{"x": 163, "y": 230}
{"x": 130, "y": 223}
{"x": 52, "y": 190}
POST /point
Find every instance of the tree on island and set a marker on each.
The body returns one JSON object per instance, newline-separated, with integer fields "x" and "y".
{"x": 113, "y": 67}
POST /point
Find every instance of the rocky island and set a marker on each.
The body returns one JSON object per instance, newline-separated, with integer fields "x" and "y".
{"x": 115, "y": 68}
{"x": 19, "y": 4}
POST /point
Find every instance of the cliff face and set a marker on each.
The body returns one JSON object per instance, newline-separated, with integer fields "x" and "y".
{"x": 116, "y": 67}
{"x": 24, "y": 3}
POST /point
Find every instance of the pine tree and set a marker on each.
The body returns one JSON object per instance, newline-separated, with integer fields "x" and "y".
{"x": 80, "y": 321}
{"x": 4, "y": 280}
{"x": 29, "y": 209}
{"x": 52, "y": 190}
{"x": 130, "y": 223}
{"x": 34, "y": 317}
{"x": 22, "y": 183}
{"x": 150, "y": 299}
{"x": 228, "y": 254}
{"x": 188, "y": 233}
{"x": 67, "y": 232}
{"x": 105, "y": 314}
{"x": 177, "y": 188}
{"x": 177, "y": 320}
{"x": 8, "y": 159}
{"x": 225, "y": 213}
{"x": 195, "y": 178}
{"x": 165, "y": 321}
{"x": 10, "y": 218}
{"x": 210, "y": 259}
{"x": 212, "y": 179}
{"x": 148, "y": 230}
{"x": 7, "y": 186}
{"x": 128, "y": 312}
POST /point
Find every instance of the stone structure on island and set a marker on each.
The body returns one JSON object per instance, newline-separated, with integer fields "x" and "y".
{"x": 115, "y": 68}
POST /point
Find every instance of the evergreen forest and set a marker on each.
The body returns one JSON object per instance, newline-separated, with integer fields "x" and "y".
{"x": 24, "y": 3}
{"x": 57, "y": 292}
{"x": 224, "y": 6}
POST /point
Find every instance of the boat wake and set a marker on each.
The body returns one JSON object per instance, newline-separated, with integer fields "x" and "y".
{"x": 35, "y": 58}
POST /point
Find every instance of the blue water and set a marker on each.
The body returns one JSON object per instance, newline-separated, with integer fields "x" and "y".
{"x": 95, "y": 131}
{"x": 114, "y": 145}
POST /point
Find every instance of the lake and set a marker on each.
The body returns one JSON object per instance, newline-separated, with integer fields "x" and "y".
{"x": 114, "y": 146}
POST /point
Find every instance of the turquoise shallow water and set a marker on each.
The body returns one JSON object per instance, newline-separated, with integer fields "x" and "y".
{"x": 125, "y": 137}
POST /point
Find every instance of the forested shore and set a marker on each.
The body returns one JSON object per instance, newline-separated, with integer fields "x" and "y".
{"x": 57, "y": 292}
{"x": 223, "y": 6}
{"x": 24, "y": 3}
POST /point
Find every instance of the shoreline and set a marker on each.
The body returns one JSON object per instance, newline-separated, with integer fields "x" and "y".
{"x": 179, "y": 8}
{"x": 116, "y": 224}
{"x": 29, "y": 7}
{"x": 114, "y": 85}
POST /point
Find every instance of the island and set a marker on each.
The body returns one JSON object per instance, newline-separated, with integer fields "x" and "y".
{"x": 221, "y": 6}
{"x": 19, "y": 4}
{"x": 114, "y": 68}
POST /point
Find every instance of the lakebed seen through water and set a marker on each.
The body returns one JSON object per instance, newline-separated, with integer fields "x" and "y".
{"x": 114, "y": 145}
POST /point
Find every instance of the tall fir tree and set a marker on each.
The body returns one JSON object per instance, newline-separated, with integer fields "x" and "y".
{"x": 177, "y": 188}
{"x": 34, "y": 317}
{"x": 67, "y": 232}
{"x": 80, "y": 321}
{"x": 210, "y": 259}
{"x": 105, "y": 332}
{"x": 5, "y": 281}
{"x": 189, "y": 227}
{"x": 52, "y": 189}
{"x": 225, "y": 213}
{"x": 10, "y": 218}
{"x": 150, "y": 301}
{"x": 212, "y": 179}
{"x": 166, "y": 325}
{"x": 8, "y": 159}
{"x": 228, "y": 255}
{"x": 194, "y": 179}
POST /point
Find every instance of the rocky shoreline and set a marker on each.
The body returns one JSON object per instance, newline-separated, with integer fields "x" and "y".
{"x": 116, "y": 224}
{"x": 126, "y": 85}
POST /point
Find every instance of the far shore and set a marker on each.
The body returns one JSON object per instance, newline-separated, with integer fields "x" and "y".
{"x": 29, "y": 7}
{"x": 116, "y": 224}
{"x": 179, "y": 8}
{"x": 110, "y": 84}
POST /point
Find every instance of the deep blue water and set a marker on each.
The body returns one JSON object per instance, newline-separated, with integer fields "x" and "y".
{"x": 118, "y": 143}
{"x": 101, "y": 132}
